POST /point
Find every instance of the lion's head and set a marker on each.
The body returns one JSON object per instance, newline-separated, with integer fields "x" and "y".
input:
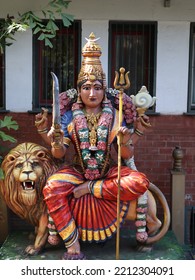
{"x": 26, "y": 168}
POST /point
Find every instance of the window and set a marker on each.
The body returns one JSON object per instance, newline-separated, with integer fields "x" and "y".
{"x": 63, "y": 59}
{"x": 132, "y": 45}
{"x": 2, "y": 79}
{"x": 191, "y": 82}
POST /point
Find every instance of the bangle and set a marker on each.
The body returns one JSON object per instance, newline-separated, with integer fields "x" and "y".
{"x": 42, "y": 131}
{"x": 128, "y": 143}
{"x": 138, "y": 132}
{"x": 90, "y": 186}
{"x": 56, "y": 146}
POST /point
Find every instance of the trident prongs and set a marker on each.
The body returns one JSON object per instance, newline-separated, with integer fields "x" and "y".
{"x": 123, "y": 81}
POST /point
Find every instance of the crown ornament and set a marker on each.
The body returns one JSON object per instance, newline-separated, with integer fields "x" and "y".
{"x": 91, "y": 68}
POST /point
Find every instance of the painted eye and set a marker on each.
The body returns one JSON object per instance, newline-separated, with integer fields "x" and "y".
{"x": 19, "y": 165}
{"x": 35, "y": 164}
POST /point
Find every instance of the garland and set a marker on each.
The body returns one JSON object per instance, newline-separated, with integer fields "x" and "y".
{"x": 69, "y": 97}
{"x": 93, "y": 161}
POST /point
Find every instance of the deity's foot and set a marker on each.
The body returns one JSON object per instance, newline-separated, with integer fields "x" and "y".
{"x": 153, "y": 225}
{"x": 54, "y": 239}
{"x": 79, "y": 256}
{"x": 81, "y": 190}
{"x": 74, "y": 253}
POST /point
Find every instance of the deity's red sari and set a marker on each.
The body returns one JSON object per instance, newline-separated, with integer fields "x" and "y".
{"x": 91, "y": 217}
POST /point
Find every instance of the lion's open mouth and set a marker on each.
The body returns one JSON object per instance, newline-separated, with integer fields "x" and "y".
{"x": 28, "y": 185}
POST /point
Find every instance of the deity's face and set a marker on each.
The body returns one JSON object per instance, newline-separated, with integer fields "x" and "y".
{"x": 92, "y": 94}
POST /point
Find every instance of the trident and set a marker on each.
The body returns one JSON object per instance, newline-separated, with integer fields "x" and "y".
{"x": 120, "y": 83}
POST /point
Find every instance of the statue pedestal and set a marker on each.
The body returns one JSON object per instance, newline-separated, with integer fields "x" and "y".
{"x": 14, "y": 246}
{"x": 178, "y": 204}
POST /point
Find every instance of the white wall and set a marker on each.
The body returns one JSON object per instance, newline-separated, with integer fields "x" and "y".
{"x": 172, "y": 67}
{"x": 19, "y": 73}
{"x": 172, "y": 46}
{"x": 100, "y": 29}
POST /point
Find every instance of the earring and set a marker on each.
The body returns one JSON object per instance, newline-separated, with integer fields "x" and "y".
{"x": 79, "y": 99}
{"x": 105, "y": 101}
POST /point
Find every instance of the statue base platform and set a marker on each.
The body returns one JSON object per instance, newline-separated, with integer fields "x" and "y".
{"x": 165, "y": 249}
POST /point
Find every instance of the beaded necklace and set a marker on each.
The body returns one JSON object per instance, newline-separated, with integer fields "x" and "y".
{"x": 93, "y": 161}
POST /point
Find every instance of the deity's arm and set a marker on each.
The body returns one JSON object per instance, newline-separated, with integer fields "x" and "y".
{"x": 41, "y": 122}
{"x": 60, "y": 138}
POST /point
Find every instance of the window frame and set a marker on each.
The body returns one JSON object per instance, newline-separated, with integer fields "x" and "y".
{"x": 191, "y": 73}
{"x": 121, "y": 28}
{"x": 2, "y": 81}
{"x": 38, "y": 46}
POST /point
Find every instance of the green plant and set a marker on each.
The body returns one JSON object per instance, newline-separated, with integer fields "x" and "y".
{"x": 6, "y": 123}
{"x": 45, "y": 29}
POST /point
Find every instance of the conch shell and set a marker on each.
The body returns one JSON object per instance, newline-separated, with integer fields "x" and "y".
{"x": 143, "y": 99}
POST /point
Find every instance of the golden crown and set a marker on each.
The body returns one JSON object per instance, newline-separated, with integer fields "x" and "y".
{"x": 91, "y": 68}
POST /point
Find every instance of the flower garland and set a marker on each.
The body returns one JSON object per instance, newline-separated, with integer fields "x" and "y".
{"x": 93, "y": 161}
{"x": 69, "y": 97}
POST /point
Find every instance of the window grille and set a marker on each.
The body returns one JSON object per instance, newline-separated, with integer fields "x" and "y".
{"x": 63, "y": 59}
{"x": 2, "y": 79}
{"x": 132, "y": 45}
{"x": 191, "y": 82}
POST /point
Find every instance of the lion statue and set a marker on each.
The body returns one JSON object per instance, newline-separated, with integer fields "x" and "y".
{"x": 26, "y": 168}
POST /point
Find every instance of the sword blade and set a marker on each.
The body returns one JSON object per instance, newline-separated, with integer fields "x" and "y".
{"x": 56, "y": 120}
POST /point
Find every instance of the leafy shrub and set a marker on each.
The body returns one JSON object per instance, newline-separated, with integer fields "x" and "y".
{"x": 6, "y": 124}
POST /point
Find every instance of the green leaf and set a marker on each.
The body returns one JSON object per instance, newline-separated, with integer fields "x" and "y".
{"x": 36, "y": 18}
{"x": 9, "y": 44}
{"x": 11, "y": 37}
{"x": 66, "y": 22}
{"x": 49, "y": 25}
{"x": 66, "y": 19}
{"x": 32, "y": 24}
{"x": 41, "y": 37}
{"x": 54, "y": 26}
{"x": 37, "y": 29}
{"x": 6, "y": 137}
{"x": 70, "y": 17}
{"x": 44, "y": 13}
{"x": 40, "y": 25}
{"x": 48, "y": 43}
{"x": 53, "y": 5}
{"x": 63, "y": 3}
{"x": 8, "y": 123}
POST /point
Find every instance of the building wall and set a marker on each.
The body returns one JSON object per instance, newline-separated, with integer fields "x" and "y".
{"x": 153, "y": 153}
{"x": 172, "y": 46}
{"x": 170, "y": 128}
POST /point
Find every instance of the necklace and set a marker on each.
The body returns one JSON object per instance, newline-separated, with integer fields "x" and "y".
{"x": 92, "y": 122}
{"x": 93, "y": 158}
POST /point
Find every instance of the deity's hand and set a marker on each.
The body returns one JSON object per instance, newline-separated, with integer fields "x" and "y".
{"x": 125, "y": 133}
{"x": 56, "y": 136}
{"x": 139, "y": 124}
{"x": 41, "y": 120}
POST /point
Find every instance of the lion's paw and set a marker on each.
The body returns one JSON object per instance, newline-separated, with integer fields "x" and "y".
{"x": 141, "y": 236}
{"x": 144, "y": 248}
{"x": 30, "y": 250}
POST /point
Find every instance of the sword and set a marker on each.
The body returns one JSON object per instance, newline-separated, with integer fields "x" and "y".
{"x": 56, "y": 119}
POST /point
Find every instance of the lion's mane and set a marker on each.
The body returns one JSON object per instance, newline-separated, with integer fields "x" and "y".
{"x": 11, "y": 189}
